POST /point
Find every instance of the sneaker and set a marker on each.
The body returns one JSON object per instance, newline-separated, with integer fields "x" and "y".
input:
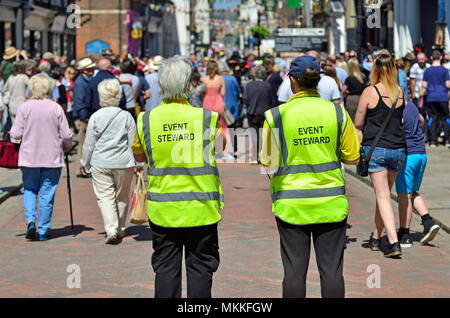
{"x": 112, "y": 239}
{"x": 430, "y": 229}
{"x": 227, "y": 157}
{"x": 405, "y": 240}
{"x": 43, "y": 237}
{"x": 31, "y": 231}
{"x": 374, "y": 244}
{"x": 394, "y": 250}
{"x": 447, "y": 145}
{"x": 433, "y": 145}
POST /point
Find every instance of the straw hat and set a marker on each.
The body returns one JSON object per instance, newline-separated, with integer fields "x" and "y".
{"x": 10, "y": 53}
{"x": 86, "y": 63}
{"x": 48, "y": 56}
{"x": 156, "y": 63}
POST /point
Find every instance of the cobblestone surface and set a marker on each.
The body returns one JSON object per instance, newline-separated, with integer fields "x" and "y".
{"x": 249, "y": 246}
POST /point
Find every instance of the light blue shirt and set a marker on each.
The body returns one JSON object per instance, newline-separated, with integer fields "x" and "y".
{"x": 155, "y": 99}
{"x": 341, "y": 74}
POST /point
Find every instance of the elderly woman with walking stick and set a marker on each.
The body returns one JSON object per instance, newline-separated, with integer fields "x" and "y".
{"x": 42, "y": 127}
{"x": 108, "y": 156}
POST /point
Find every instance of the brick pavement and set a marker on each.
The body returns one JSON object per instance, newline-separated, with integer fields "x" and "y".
{"x": 249, "y": 245}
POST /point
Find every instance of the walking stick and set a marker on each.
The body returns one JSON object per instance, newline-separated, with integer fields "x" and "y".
{"x": 69, "y": 192}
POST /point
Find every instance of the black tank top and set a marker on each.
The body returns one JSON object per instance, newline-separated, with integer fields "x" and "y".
{"x": 394, "y": 136}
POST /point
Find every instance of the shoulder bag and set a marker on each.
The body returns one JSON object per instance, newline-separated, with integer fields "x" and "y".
{"x": 228, "y": 116}
{"x": 363, "y": 166}
{"x": 109, "y": 124}
{"x": 9, "y": 154}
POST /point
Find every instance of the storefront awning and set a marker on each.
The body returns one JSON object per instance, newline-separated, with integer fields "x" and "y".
{"x": 59, "y": 24}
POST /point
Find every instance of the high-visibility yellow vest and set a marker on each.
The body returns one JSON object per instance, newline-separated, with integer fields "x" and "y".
{"x": 309, "y": 186}
{"x": 184, "y": 188}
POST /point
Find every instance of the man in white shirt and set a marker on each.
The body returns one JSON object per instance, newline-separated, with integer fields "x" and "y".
{"x": 327, "y": 89}
{"x": 416, "y": 75}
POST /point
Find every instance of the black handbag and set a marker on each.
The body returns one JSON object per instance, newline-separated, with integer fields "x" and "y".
{"x": 363, "y": 166}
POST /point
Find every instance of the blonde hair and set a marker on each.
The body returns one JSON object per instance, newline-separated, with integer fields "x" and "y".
{"x": 353, "y": 70}
{"x": 384, "y": 71}
{"x": 109, "y": 92}
{"x": 40, "y": 87}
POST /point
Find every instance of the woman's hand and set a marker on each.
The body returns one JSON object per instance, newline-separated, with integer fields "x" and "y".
{"x": 138, "y": 171}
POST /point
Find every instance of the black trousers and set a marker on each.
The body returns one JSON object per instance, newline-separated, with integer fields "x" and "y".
{"x": 256, "y": 122}
{"x": 329, "y": 240}
{"x": 438, "y": 112}
{"x": 201, "y": 255}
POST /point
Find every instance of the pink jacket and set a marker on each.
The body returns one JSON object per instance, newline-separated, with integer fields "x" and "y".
{"x": 42, "y": 126}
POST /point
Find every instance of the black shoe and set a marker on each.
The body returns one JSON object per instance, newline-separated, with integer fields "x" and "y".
{"x": 374, "y": 244}
{"x": 430, "y": 229}
{"x": 31, "y": 231}
{"x": 405, "y": 240}
{"x": 394, "y": 250}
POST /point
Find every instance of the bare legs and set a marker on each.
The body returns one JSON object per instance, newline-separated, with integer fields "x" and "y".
{"x": 406, "y": 202}
{"x": 384, "y": 215}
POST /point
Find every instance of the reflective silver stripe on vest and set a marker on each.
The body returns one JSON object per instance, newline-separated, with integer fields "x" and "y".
{"x": 185, "y": 196}
{"x": 306, "y": 168}
{"x": 340, "y": 120}
{"x": 148, "y": 143}
{"x": 207, "y": 169}
{"x": 177, "y": 171}
{"x": 308, "y": 193}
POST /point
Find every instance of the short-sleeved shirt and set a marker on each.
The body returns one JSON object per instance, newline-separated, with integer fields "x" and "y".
{"x": 328, "y": 88}
{"x": 416, "y": 73}
{"x": 354, "y": 86}
{"x": 415, "y": 141}
{"x": 436, "y": 76}
{"x": 130, "y": 91}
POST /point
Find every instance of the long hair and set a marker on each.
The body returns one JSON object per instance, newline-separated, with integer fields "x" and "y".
{"x": 353, "y": 70}
{"x": 212, "y": 69}
{"x": 384, "y": 71}
{"x": 331, "y": 72}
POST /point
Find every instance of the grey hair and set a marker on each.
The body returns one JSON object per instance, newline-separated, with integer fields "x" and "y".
{"x": 30, "y": 64}
{"x": 259, "y": 72}
{"x": 45, "y": 67}
{"x": 223, "y": 67}
{"x": 174, "y": 76}
{"x": 109, "y": 92}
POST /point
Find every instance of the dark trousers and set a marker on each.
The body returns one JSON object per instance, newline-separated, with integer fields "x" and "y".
{"x": 329, "y": 240}
{"x": 256, "y": 122}
{"x": 201, "y": 255}
{"x": 438, "y": 112}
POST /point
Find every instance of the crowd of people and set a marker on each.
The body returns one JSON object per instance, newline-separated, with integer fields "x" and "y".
{"x": 107, "y": 102}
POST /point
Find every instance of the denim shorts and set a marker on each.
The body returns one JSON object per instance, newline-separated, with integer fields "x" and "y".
{"x": 386, "y": 159}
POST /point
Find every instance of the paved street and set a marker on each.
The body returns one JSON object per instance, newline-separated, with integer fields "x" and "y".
{"x": 249, "y": 245}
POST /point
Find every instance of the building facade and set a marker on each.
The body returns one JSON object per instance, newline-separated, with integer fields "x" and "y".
{"x": 37, "y": 27}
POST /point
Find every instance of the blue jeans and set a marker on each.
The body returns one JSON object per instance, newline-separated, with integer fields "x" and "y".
{"x": 386, "y": 159}
{"x": 42, "y": 181}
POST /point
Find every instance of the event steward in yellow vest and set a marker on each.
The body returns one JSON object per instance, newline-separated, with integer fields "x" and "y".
{"x": 306, "y": 140}
{"x": 184, "y": 190}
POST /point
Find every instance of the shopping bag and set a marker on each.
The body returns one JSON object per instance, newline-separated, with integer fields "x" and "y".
{"x": 9, "y": 154}
{"x": 228, "y": 116}
{"x": 139, "y": 204}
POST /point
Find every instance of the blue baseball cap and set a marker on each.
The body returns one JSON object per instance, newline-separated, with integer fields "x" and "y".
{"x": 300, "y": 64}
